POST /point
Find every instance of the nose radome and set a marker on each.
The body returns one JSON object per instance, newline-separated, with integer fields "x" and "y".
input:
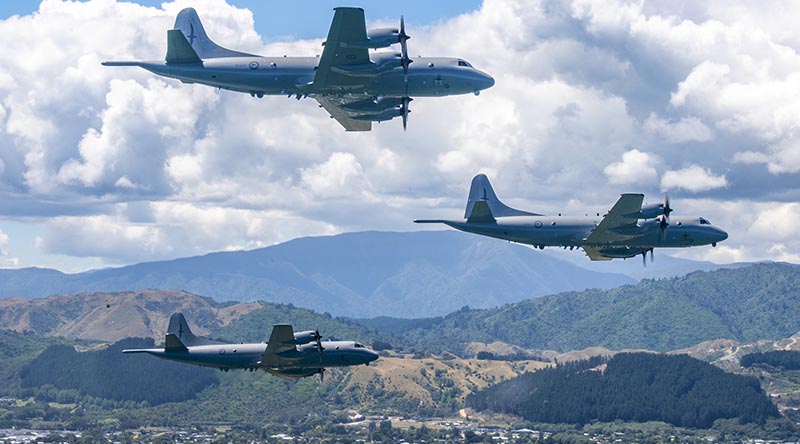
{"x": 489, "y": 80}
{"x": 722, "y": 235}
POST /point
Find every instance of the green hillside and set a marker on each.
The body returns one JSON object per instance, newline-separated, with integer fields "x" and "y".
{"x": 17, "y": 351}
{"x": 747, "y": 304}
{"x": 110, "y": 374}
{"x": 637, "y": 387}
{"x": 256, "y": 325}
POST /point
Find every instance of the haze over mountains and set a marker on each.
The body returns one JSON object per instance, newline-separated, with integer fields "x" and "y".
{"x": 409, "y": 275}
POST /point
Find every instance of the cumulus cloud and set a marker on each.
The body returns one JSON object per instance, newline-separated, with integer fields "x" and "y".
{"x": 5, "y": 260}
{"x": 591, "y": 96}
{"x": 685, "y": 130}
{"x": 636, "y": 167}
{"x": 692, "y": 178}
{"x": 778, "y": 223}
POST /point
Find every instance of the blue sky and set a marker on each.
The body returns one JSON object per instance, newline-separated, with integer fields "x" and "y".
{"x": 306, "y": 19}
{"x": 102, "y": 167}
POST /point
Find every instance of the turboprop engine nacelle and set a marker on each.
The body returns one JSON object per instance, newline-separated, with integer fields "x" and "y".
{"x": 651, "y": 211}
{"x": 389, "y": 114}
{"x": 305, "y": 337}
{"x": 382, "y": 37}
{"x": 374, "y": 106}
{"x": 383, "y": 65}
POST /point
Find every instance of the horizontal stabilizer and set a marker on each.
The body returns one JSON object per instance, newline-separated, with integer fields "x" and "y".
{"x": 122, "y": 63}
{"x": 428, "y": 221}
{"x": 179, "y": 51}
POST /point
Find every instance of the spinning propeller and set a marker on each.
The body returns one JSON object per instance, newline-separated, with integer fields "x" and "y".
{"x": 663, "y": 219}
{"x": 405, "y": 110}
{"x": 320, "y": 348}
{"x": 404, "y": 59}
{"x": 663, "y": 223}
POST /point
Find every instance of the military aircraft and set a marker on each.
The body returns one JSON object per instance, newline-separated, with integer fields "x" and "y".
{"x": 355, "y": 87}
{"x": 627, "y": 230}
{"x": 287, "y": 355}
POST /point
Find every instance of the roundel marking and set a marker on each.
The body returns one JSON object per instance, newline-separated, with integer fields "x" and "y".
{"x": 253, "y": 65}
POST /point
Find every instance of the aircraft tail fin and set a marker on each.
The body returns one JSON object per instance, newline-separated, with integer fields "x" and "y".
{"x": 180, "y": 331}
{"x": 173, "y": 344}
{"x": 483, "y": 204}
{"x": 179, "y": 51}
{"x": 188, "y": 22}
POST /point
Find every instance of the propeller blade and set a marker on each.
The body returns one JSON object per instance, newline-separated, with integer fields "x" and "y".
{"x": 318, "y": 338}
{"x": 403, "y": 37}
{"x": 667, "y": 208}
{"x": 321, "y": 375}
{"x": 404, "y": 108}
{"x": 644, "y": 259}
{"x": 652, "y": 258}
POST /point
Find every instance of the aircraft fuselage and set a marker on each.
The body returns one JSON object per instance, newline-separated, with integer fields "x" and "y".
{"x": 564, "y": 231}
{"x": 249, "y": 356}
{"x": 259, "y": 76}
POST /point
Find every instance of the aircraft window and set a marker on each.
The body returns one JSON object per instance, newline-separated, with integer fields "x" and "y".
{"x": 357, "y": 345}
{"x": 430, "y": 65}
{"x": 464, "y": 63}
{"x": 704, "y": 221}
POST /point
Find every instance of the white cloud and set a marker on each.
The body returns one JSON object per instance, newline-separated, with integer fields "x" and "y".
{"x": 3, "y": 243}
{"x": 692, "y": 178}
{"x": 695, "y": 87}
{"x": 176, "y": 229}
{"x": 5, "y": 261}
{"x": 636, "y": 167}
{"x": 685, "y": 130}
{"x": 777, "y": 224}
{"x": 339, "y": 176}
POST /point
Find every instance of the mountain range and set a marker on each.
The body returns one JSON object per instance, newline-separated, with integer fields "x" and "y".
{"x": 745, "y": 304}
{"x": 366, "y": 274}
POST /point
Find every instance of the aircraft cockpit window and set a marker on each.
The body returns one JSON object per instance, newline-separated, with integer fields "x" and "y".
{"x": 464, "y": 63}
{"x": 358, "y": 345}
{"x": 704, "y": 221}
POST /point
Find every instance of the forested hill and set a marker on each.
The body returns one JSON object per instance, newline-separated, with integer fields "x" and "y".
{"x": 632, "y": 387}
{"x": 757, "y": 302}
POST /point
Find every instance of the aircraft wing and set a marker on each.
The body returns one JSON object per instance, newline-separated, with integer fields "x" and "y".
{"x": 595, "y": 254}
{"x": 619, "y": 224}
{"x": 333, "y": 106}
{"x": 281, "y": 340}
{"x": 348, "y": 27}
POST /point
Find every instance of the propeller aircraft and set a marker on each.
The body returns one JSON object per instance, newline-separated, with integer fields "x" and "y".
{"x": 627, "y": 230}
{"x": 287, "y": 355}
{"x": 355, "y": 87}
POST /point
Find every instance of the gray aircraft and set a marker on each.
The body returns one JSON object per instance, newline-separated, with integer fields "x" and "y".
{"x": 287, "y": 355}
{"x": 354, "y": 86}
{"x": 627, "y": 230}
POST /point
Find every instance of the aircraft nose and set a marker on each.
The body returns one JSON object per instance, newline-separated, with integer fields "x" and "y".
{"x": 373, "y": 356}
{"x": 487, "y": 81}
{"x": 721, "y": 235}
